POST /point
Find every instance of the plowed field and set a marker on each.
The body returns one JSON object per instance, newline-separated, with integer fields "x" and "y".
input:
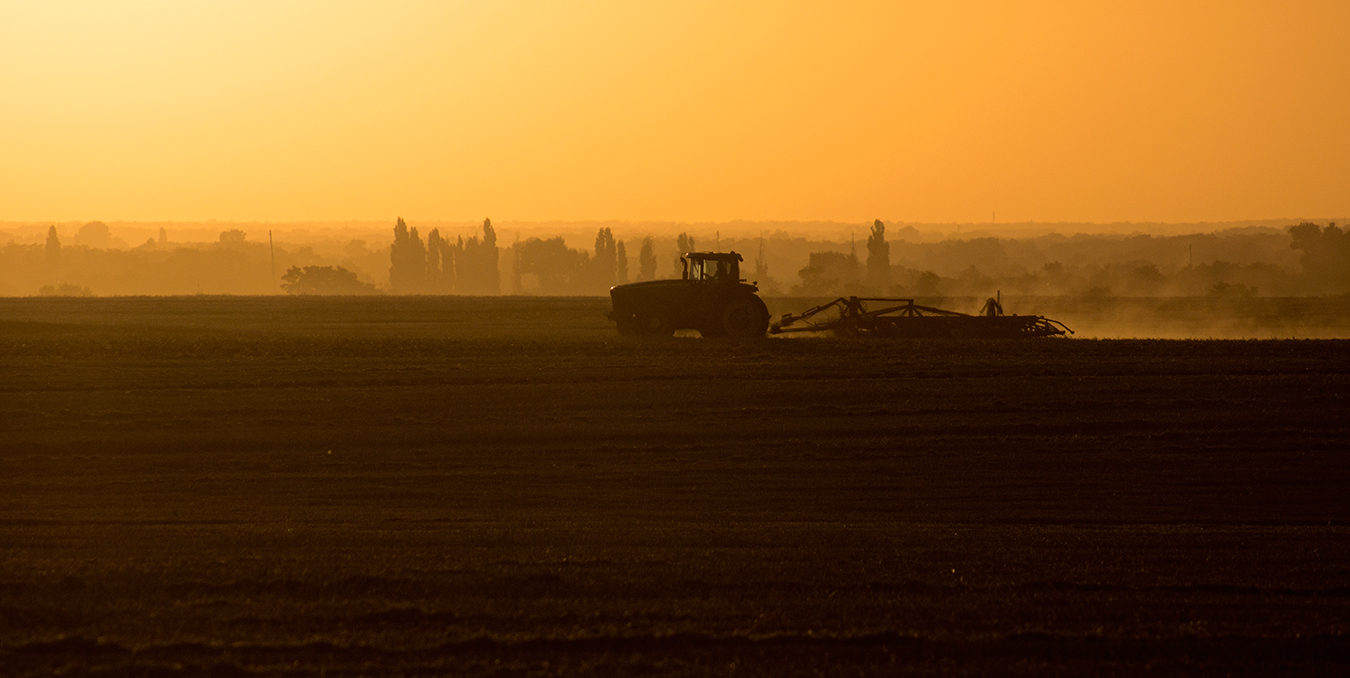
{"x": 506, "y": 487}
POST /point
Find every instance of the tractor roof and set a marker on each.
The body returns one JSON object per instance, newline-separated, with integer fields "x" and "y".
{"x": 715, "y": 256}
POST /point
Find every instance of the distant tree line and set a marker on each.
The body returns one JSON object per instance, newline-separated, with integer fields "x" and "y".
{"x": 468, "y": 267}
{"x": 549, "y": 266}
{"x": 991, "y": 264}
{"x": 1326, "y": 254}
{"x": 1302, "y": 259}
{"x": 65, "y": 289}
{"x": 99, "y": 263}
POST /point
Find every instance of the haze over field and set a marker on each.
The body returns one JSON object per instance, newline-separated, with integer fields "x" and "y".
{"x": 341, "y": 337}
{"x": 1235, "y": 260}
{"x": 937, "y": 112}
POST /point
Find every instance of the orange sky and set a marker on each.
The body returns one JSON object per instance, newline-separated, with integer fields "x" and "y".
{"x": 693, "y": 111}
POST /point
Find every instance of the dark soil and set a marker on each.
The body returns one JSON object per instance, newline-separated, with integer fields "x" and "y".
{"x": 407, "y": 486}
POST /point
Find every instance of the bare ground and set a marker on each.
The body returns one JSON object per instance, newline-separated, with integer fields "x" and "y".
{"x": 435, "y": 486}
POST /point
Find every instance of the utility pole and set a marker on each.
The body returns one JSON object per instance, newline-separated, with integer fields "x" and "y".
{"x": 271, "y": 248}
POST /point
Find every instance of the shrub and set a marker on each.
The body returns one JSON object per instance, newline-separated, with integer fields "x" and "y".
{"x": 65, "y": 289}
{"x": 324, "y": 280}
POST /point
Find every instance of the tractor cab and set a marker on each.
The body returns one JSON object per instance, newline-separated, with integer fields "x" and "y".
{"x": 715, "y": 267}
{"x": 709, "y": 297}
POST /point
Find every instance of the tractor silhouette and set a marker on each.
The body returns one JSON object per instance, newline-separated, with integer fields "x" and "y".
{"x": 709, "y": 297}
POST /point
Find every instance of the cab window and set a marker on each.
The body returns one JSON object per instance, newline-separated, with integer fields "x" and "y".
{"x": 709, "y": 271}
{"x": 695, "y": 269}
{"x": 723, "y": 271}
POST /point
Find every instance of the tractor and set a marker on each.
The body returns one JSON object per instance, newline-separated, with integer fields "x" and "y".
{"x": 709, "y": 297}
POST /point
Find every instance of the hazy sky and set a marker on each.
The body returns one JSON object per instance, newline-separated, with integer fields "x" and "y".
{"x": 915, "y": 111}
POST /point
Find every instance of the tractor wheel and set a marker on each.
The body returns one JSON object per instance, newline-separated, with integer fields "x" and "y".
{"x": 745, "y": 318}
{"x": 628, "y": 327}
{"x": 654, "y": 325}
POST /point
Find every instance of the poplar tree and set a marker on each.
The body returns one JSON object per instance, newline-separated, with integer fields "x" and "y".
{"x": 492, "y": 283}
{"x": 878, "y": 257}
{"x": 450, "y": 257}
{"x": 477, "y": 266}
{"x": 647, "y": 260}
{"x": 684, "y": 243}
{"x": 435, "y": 270}
{"x": 621, "y": 263}
{"x": 605, "y": 260}
{"x": 53, "y": 248}
{"x": 408, "y": 261}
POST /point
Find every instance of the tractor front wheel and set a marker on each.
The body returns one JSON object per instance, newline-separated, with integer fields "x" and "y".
{"x": 655, "y": 325}
{"x": 628, "y": 327}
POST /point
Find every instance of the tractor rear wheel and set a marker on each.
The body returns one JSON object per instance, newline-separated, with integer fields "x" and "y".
{"x": 745, "y": 318}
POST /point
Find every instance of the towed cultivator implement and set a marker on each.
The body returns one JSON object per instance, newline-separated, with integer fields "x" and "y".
{"x": 850, "y": 316}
